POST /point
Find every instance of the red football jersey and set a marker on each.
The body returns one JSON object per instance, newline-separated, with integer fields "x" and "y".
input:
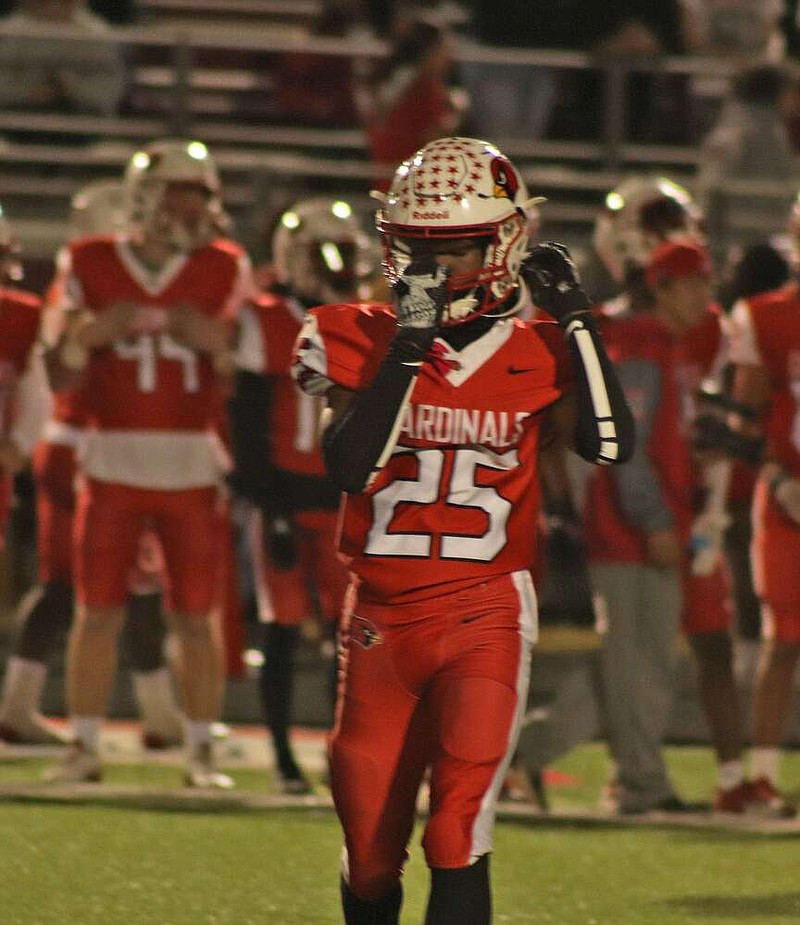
{"x": 610, "y": 535}
{"x": 766, "y": 333}
{"x": 150, "y": 401}
{"x": 268, "y": 330}
{"x": 458, "y": 499}
{"x": 19, "y": 327}
{"x": 152, "y": 382}
{"x": 698, "y": 356}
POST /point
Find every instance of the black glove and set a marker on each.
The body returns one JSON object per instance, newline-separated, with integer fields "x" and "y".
{"x": 280, "y": 542}
{"x": 420, "y": 295}
{"x": 563, "y": 538}
{"x": 553, "y": 281}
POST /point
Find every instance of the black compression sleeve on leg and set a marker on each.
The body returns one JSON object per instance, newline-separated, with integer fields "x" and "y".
{"x": 461, "y": 896}
{"x": 277, "y": 674}
{"x": 384, "y": 911}
{"x": 44, "y": 621}
{"x": 604, "y": 433}
{"x": 355, "y": 445}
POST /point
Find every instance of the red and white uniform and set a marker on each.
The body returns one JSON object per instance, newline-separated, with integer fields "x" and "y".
{"x": 699, "y": 354}
{"x": 440, "y": 545}
{"x": 152, "y": 457}
{"x": 767, "y": 334}
{"x": 19, "y": 328}
{"x": 682, "y": 363}
{"x": 268, "y": 330}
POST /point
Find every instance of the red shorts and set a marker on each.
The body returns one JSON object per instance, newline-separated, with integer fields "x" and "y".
{"x": 318, "y": 582}
{"x": 110, "y": 519}
{"x": 54, "y": 469}
{"x": 776, "y": 567}
{"x": 446, "y": 692}
{"x": 707, "y": 602}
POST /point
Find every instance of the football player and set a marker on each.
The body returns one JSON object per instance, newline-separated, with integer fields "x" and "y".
{"x": 47, "y": 612}
{"x": 647, "y": 236}
{"x": 436, "y": 404}
{"x": 320, "y": 254}
{"x": 24, "y": 397}
{"x": 765, "y": 347}
{"x": 148, "y": 319}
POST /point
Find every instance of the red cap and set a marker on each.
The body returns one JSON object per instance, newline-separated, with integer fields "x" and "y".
{"x": 673, "y": 259}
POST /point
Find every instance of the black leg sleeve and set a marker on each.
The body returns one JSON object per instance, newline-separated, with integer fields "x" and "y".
{"x": 276, "y": 678}
{"x": 384, "y": 911}
{"x": 45, "y": 618}
{"x": 461, "y": 896}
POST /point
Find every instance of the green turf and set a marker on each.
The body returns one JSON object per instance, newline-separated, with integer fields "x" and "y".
{"x": 141, "y": 864}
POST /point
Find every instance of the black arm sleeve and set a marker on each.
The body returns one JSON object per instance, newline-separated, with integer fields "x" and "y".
{"x": 357, "y": 445}
{"x": 604, "y": 432}
{"x": 248, "y": 418}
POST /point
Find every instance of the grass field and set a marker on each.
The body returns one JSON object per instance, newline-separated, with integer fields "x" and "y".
{"x": 149, "y": 857}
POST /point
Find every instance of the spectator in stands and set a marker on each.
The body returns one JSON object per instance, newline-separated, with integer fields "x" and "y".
{"x": 749, "y": 141}
{"x": 56, "y": 56}
{"x": 409, "y": 99}
{"x": 514, "y": 100}
{"x": 318, "y": 89}
{"x": 744, "y": 31}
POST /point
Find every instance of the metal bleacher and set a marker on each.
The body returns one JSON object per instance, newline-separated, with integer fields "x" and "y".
{"x": 205, "y": 68}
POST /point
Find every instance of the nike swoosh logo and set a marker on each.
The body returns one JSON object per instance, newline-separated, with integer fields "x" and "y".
{"x": 513, "y": 370}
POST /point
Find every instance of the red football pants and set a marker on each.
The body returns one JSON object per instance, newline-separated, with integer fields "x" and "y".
{"x": 444, "y": 691}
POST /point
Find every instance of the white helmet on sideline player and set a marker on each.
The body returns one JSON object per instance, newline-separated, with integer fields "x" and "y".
{"x": 156, "y": 168}
{"x": 639, "y": 214}
{"x": 11, "y": 270}
{"x": 321, "y": 252}
{"x": 460, "y": 188}
{"x": 96, "y": 208}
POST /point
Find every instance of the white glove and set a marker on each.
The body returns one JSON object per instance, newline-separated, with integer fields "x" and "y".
{"x": 786, "y": 491}
{"x": 421, "y": 296}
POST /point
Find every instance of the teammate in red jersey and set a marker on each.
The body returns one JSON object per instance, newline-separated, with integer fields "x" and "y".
{"x": 24, "y": 404}
{"x": 320, "y": 254}
{"x": 766, "y": 350}
{"x": 148, "y": 318}
{"x": 437, "y": 405}
{"x": 46, "y": 613}
{"x": 679, "y": 274}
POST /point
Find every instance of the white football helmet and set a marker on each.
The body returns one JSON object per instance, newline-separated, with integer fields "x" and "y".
{"x": 11, "y": 270}
{"x": 640, "y": 214}
{"x": 456, "y": 188}
{"x": 96, "y": 208}
{"x": 321, "y": 252}
{"x": 149, "y": 174}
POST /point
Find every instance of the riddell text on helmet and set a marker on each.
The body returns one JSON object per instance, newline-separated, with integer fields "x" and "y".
{"x": 431, "y": 216}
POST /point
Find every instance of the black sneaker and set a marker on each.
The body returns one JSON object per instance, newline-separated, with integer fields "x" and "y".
{"x": 671, "y": 805}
